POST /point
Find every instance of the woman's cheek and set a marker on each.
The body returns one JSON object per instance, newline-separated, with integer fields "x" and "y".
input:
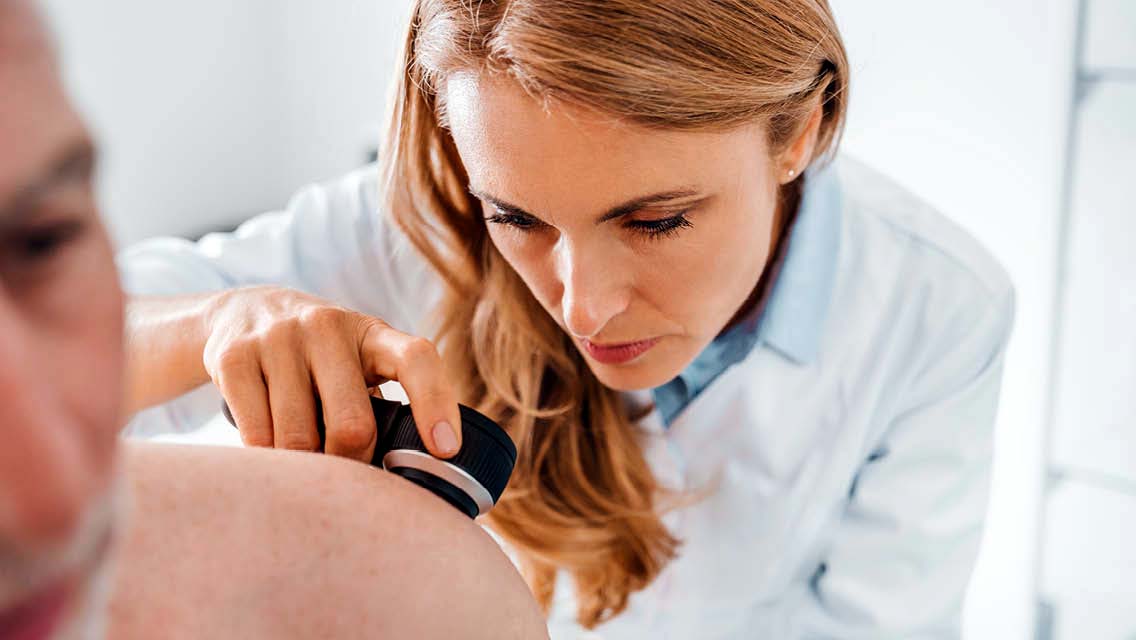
{"x": 526, "y": 258}
{"x": 677, "y": 284}
{"x": 719, "y": 274}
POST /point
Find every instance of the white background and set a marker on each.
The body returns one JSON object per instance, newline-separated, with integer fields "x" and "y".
{"x": 212, "y": 110}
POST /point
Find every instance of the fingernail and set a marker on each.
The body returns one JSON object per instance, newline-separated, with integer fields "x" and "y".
{"x": 444, "y": 437}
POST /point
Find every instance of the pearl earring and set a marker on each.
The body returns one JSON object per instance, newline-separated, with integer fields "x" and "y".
{"x": 792, "y": 173}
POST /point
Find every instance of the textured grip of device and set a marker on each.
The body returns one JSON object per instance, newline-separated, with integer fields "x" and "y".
{"x": 487, "y": 453}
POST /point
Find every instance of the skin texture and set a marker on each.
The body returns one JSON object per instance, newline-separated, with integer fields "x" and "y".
{"x": 218, "y": 543}
{"x": 60, "y": 334}
{"x": 608, "y": 281}
{"x": 223, "y": 525}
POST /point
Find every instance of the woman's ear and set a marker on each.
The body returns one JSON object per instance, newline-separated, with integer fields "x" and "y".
{"x": 797, "y": 156}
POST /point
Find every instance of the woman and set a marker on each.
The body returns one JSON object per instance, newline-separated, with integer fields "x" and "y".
{"x": 753, "y": 389}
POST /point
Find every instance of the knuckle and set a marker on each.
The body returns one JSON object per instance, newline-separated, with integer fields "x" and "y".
{"x": 244, "y": 345}
{"x": 364, "y": 325}
{"x": 433, "y": 395}
{"x": 256, "y": 437}
{"x": 256, "y": 430}
{"x": 284, "y": 331}
{"x": 368, "y": 332}
{"x": 299, "y": 440}
{"x": 236, "y": 356}
{"x": 421, "y": 351}
{"x": 323, "y": 318}
{"x": 354, "y": 431}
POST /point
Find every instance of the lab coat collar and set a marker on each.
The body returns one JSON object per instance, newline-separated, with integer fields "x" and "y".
{"x": 793, "y": 320}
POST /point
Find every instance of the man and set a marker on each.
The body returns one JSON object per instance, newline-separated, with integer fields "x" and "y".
{"x": 179, "y": 542}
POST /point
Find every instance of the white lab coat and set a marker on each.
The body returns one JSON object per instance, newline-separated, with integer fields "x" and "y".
{"x": 849, "y": 453}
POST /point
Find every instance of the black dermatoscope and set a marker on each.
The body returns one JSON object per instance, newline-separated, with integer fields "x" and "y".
{"x": 471, "y": 481}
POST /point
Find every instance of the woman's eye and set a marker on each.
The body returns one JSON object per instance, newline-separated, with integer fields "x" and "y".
{"x": 662, "y": 227}
{"x": 513, "y": 220}
{"x": 651, "y": 228}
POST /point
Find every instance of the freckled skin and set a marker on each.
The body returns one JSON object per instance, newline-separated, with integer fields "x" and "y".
{"x": 262, "y": 543}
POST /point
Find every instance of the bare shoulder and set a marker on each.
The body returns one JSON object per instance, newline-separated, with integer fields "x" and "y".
{"x": 228, "y": 542}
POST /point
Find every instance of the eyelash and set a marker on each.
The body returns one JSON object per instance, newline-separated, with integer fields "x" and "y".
{"x": 663, "y": 227}
{"x": 652, "y": 229}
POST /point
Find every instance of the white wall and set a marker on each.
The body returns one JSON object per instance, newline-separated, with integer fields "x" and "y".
{"x": 335, "y": 60}
{"x": 215, "y": 109}
{"x": 180, "y": 97}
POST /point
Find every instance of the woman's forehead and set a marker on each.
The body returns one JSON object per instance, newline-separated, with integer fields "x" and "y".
{"x": 511, "y": 141}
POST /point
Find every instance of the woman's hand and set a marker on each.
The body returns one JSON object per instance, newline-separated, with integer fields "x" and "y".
{"x": 271, "y": 351}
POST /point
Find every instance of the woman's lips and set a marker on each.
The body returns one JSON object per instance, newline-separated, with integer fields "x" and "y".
{"x": 39, "y": 617}
{"x": 618, "y": 353}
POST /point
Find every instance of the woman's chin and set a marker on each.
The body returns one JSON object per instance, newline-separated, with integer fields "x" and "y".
{"x": 639, "y": 374}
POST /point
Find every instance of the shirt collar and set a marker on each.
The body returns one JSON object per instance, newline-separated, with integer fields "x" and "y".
{"x": 791, "y": 317}
{"x": 793, "y": 320}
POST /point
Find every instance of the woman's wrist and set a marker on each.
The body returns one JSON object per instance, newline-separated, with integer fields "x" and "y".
{"x": 205, "y": 316}
{"x": 166, "y": 337}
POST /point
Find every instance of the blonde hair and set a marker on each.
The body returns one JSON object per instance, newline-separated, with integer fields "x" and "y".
{"x": 582, "y": 497}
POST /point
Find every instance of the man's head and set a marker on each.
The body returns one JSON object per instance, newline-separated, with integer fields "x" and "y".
{"x": 60, "y": 347}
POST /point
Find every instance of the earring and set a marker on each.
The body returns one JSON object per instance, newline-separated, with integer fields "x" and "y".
{"x": 792, "y": 173}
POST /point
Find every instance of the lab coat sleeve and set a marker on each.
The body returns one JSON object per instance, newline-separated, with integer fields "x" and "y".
{"x": 905, "y": 546}
{"x": 331, "y": 240}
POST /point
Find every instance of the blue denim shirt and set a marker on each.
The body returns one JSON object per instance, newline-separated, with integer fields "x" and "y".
{"x": 790, "y": 319}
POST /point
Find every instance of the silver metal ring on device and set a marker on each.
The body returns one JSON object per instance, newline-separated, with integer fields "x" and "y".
{"x": 456, "y": 476}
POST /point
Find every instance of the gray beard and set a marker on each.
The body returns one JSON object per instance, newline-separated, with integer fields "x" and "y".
{"x": 89, "y": 553}
{"x": 89, "y": 621}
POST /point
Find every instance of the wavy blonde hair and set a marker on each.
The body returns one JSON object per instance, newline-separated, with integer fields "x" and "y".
{"x": 582, "y": 497}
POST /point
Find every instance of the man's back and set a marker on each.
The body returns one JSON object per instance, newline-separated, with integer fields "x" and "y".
{"x": 255, "y": 543}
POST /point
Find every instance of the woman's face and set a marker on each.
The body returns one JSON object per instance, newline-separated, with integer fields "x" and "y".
{"x": 642, "y": 244}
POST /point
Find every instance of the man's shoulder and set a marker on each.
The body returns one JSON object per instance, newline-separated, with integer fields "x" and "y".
{"x": 231, "y": 542}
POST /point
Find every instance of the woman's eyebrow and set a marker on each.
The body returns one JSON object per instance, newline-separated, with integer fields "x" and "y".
{"x": 620, "y": 210}
{"x": 631, "y": 206}
{"x": 501, "y": 204}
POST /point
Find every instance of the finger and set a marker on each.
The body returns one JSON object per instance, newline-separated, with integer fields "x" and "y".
{"x": 349, "y": 420}
{"x": 290, "y": 398}
{"x": 239, "y": 379}
{"x": 416, "y": 365}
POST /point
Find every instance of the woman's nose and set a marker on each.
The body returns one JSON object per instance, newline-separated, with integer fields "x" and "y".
{"x": 593, "y": 291}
